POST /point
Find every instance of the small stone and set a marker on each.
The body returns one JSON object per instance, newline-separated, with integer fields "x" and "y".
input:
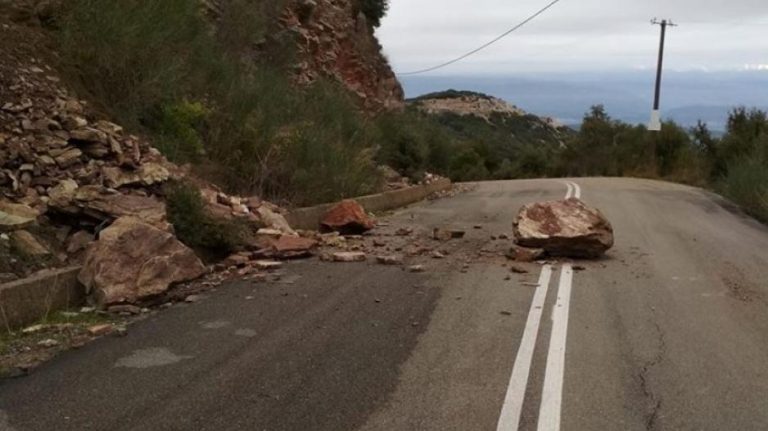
{"x": 267, "y": 265}
{"x": 503, "y": 236}
{"x": 379, "y": 243}
{"x": 478, "y": 226}
{"x": 505, "y": 313}
{"x": 124, "y": 308}
{"x": 389, "y": 260}
{"x": 457, "y": 234}
{"x": 404, "y": 231}
{"x": 99, "y": 330}
{"x": 416, "y": 268}
{"x": 441, "y": 234}
{"x": 437, "y": 255}
{"x": 87, "y": 309}
{"x": 349, "y": 256}
{"x": 33, "y": 329}
{"x": 518, "y": 270}
{"x": 48, "y": 342}
{"x": 579, "y": 268}
{"x": 192, "y": 299}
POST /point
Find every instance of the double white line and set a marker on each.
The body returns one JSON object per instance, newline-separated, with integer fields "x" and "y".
{"x": 574, "y": 190}
{"x": 552, "y": 392}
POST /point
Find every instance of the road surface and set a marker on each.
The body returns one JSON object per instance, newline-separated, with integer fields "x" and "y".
{"x": 668, "y": 332}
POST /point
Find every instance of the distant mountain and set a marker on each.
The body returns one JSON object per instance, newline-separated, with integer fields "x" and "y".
{"x": 686, "y": 97}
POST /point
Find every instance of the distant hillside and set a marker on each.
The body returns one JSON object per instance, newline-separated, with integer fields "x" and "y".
{"x": 511, "y": 142}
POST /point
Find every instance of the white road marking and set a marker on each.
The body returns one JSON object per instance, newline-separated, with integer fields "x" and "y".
{"x": 577, "y": 190}
{"x": 552, "y": 394}
{"x": 513, "y": 402}
{"x": 569, "y": 193}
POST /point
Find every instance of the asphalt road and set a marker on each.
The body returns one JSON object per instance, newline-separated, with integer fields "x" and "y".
{"x": 668, "y": 332}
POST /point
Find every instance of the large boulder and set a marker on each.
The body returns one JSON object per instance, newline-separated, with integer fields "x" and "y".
{"x": 564, "y": 228}
{"x": 133, "y": 260}
{"x": 347, "y": 217}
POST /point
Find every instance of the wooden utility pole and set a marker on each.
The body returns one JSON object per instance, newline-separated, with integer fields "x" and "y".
{"x": 655, "y": 124}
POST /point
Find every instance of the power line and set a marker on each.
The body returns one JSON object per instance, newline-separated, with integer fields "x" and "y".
{"x": 476, "y": 50}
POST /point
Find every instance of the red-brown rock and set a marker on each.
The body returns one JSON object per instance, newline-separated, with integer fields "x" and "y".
{"x": 348, "y": 218}
{"x": 133, "y": 260}
{"x": 564, "y": 228}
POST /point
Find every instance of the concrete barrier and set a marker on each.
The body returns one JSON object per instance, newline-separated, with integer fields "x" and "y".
{"x": 28, "y": 300}
{"x": 309, "y": 218}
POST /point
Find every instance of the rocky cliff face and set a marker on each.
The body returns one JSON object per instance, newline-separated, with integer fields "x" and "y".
{"x": 334, "y": 40}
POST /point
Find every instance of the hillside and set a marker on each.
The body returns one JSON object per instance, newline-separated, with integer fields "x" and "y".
{"x": 512, "y": 142}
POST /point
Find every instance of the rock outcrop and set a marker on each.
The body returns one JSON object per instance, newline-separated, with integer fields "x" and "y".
{"x": 564, "y": 228}
{"x": 335, "y": 41}
{"x": 133, "y": 260}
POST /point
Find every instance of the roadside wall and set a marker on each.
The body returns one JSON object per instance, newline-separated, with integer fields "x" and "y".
{"x": 309, "y": 218}
{"x": 25, "y": 301}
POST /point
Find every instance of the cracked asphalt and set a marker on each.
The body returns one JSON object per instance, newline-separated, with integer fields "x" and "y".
{"x": 668, "y": 332}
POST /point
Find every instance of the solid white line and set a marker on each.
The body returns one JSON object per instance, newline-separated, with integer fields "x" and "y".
{"x": 569, "y": 193}
{"x": 513, "y": 401}
{"x": 552, "y": 394}
{"x": 577, "y": 190}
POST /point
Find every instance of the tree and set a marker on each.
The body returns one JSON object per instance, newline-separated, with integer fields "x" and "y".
{"x": 374, "y": 10}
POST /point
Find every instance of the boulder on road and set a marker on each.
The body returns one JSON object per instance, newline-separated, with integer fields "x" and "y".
{"x": 132, "y": 260}
{"x": 567, "y": 228}
{"x": 348, "y": 218}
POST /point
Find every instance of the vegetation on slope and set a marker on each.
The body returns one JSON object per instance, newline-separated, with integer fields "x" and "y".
{"x": 159, "y": 68}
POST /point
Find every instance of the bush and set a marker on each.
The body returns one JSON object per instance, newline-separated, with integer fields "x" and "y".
{"x": 747, "y": 185}
{"x": 195, "y": 227}
{"x": 374, "y": 10}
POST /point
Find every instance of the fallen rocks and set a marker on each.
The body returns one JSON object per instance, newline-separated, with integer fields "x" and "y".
{"x": 99, "y": 330}
{"x": 566, "y": 228}
{"x": 16, "y": 216}
{"x": 28, "y": 245}
{"x": 267, "y": 265}
{"x": 349, "y": 256}
{"x": 525, "y": 254}
{"x": 348, "y": 218}
{"x": 416, "y": 268}
{"x": 390, "y": 260}
{"x": 132, "y": 260}
{"x": 290, "y": 247}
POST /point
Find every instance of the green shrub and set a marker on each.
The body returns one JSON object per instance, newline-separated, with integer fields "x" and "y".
{"x": 374, "y": 10}
{"x": 195, "y": 227}
{"x": 747, "y": 185}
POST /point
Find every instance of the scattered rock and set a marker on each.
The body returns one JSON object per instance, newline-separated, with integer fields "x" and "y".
{"x": 524, "y": 254}
{"x": 133, "y": 260}
{"x": 390, "y": 260}
{"x": 99, "y": 330}
{"x": 564, "y": 228}
{"x": 191, "y": 299}
{"x": 237, "y": 259}
{"x": 124, "y": 309}
{"x": 267, "y": 265}
{"x": 518, "y": 269}
{"x": 379, "y": 243}
{"x": 457, "y": 234}
{"x": 33, "y": 329}
{"x": 404, "y": 231}
{"x": 416, "y": 268}
{"x": 441, "y": 234}
{"x": 28, "y": 245}
{"x": 290, "y": 247}
{"x": 579, "y": 268}
{"x": 274, "y": 220}
{"x": 48, "y": 343}
{"x": 347, "y": 217}
{"x": 79, "y": 241}
{"x": 16, "y": 216}
{"x": 349, "y": 256}
{"x": 437, "y": 255}
{"x": 505, "y": 313}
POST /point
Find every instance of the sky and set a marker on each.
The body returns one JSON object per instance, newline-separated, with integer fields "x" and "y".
{"x": 576, "y": 35}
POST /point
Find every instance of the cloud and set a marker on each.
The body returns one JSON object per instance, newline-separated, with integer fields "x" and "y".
{"x": 574, "y": 34}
